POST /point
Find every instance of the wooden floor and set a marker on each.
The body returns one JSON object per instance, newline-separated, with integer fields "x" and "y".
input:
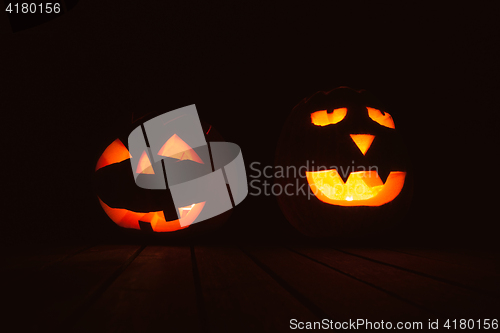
{"x": 245, "y": 288}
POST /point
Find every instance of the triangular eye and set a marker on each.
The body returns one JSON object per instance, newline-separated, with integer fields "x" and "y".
{"x": 383, "y": 119}
{"x": 144, "y": 166}
{"x": 176, "y": 148}
{"x": 323, "y": 118}
{"x": 114, "y": 153}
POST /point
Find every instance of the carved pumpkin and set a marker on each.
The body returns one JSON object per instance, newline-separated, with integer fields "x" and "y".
{"x": 352, "y": 171}
{"x": 149, "y": 207}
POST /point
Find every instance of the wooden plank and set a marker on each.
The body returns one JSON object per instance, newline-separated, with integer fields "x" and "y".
{"x": 34, "y": 258}
{"x": 156, "y": 293}
{"x": 441, "y": 298}
{"x": 492, "y": 252}
{"x": 238, "y": 296}
{"x": 340, "y": 296}
{"x": 44, "y": 300}
{"x": 453, "y": 256}
{"x": 486, "y": 283}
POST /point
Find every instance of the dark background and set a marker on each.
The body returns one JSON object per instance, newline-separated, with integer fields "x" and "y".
{"x": 70, "y": 84}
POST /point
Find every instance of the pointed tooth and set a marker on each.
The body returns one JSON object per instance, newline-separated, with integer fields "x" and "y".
{"x": 344, "y": 172}
{"x": 383, "y": 173}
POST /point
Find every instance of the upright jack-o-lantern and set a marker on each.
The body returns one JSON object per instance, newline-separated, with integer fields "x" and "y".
{"x": 344, "y": 159}
{"x": 132, "y": 207}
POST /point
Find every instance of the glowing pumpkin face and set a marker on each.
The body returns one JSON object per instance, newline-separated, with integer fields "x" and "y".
{"x": 356, "y": 167}
{"x": 153, "y": 210}
{"x": 362, "y": 188}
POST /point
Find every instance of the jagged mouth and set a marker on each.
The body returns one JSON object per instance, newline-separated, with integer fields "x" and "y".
{"x": 129, "y": 219}
{"x": 362, "y": 188}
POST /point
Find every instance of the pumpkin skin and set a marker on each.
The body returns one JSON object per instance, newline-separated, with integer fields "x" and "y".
{"x": 119, "y": 195}
{"x": 343, "y": 134}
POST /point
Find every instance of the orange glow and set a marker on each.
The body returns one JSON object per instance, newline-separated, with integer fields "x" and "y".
{"x": 322, "y": 118}
{"x": 129, "y": 219}
{"x": 383, "y": 119}
{"x": 114, "y": 153}
{"x": 176, "y": 148}
{"x": 144, "y": 166}
{"x": 362, "y": 188}
{"x": 363, "y": 141}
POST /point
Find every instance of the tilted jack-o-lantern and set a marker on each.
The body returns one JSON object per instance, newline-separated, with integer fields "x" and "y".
{"x": 173, "y": 173}
{"x": 145, "y": 216}
{"x": 351, "y": 161}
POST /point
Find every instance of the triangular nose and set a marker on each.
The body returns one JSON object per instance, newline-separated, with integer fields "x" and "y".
{"x": 363, "y": 141}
